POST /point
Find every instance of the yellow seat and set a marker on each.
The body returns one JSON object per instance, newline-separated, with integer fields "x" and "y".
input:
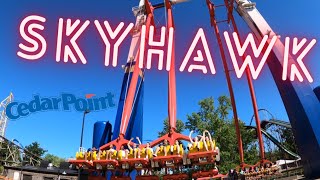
{"x": 131, "y": 153}
{"x": 214, "y": 144}
{"x": 208, "y": 145}
{"x": 192, "y": 148}
{"x": 89, "y": 156}
{"x": 181, "y": 151}
{"x": 103, "y": 155}
{"x": 79, "y": 156}
{"x": 162, "y": 149}
{"x": 149, "y": 153}
{"x": 94, "y": 155}
{"x": 201, "y": 146}
{"x": 114, "y": 155}
{"x": 120, "y": 154}
{"x": 144, "y": 153}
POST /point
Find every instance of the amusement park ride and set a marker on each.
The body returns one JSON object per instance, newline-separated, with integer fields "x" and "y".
{"x": 12, "y": 152}
{"x": 299, "y": 99}
{"x": 3, "y": 117}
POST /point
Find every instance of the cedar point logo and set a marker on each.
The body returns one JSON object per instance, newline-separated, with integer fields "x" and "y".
{"x": 67, "y": 49}
{"x": 65, "y": 102}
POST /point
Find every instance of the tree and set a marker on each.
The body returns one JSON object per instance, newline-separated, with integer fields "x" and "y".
{"x": 33, "y": 152}
{"x": 216, "y": 120}
{"x": 179, "y": 127}
{"x": 55, "y": 160}
{"x": 287, "y": 139}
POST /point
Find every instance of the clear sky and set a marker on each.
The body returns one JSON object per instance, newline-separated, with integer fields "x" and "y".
{"x": 59, "y": 131}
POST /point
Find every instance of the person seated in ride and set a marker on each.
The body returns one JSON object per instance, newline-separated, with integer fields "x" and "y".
{"x": 268, "y": 169}
{"x": 256, "y": 170}
{"x": 102, "y": 155}
{"x": 147, "y": 152}
{"x": 158, "y": 150}
{"x": 202, "y": 142}
{"x": 251, "y": 171}
{"x": 196, "y": 144}
{"x": 88, "y": 154}
{"x": 94, "y": 153}
{"x": 140, "y": 147}
{"x": 211, "y": 144}
{"x": 122, "y": 153}
{"x": 111, "y": 152}
{"x": 162, "y": 149}
{"x": 177, "y": 148}
{"x": 80, "y": 155}
{"x": 134, "y": 151}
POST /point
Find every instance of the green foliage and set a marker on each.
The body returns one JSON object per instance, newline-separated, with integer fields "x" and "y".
{"x": 1, "y": 169}
{"x": 55, "y": 160}
{"x": 34, "y": 149}
{"x": 216, "y": 121}
{"x": 288, "y": 139}
{"x": 179, "y": 127}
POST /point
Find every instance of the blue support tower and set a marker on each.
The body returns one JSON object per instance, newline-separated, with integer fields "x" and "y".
{"x": 135, "y": 125}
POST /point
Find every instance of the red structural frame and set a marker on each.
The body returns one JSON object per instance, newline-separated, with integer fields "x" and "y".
{"x": 251, "y": 89}
{"x": 171, "y": 137}
{"x": 214, "y": 23}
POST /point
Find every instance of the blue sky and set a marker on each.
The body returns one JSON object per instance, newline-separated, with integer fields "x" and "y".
{"x": 59, "y": 131}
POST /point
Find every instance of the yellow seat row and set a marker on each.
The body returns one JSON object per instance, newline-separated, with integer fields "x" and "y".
{"x": 93, "y": 155}
{"x": 167, "y": 148}
{"x": 202, "y": 148}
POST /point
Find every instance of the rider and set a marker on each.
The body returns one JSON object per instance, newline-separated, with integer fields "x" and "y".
{"x": 110, "y": 152}
{"x": 176, "y": 148}
{"x": 148, "y": 151}
{"x": 163, "y": 147}
{"x": 196, "y": 143}
{"x": 123, "y": 153}
{"x": 134, "y": 150}
{"x": 208, "y": 140}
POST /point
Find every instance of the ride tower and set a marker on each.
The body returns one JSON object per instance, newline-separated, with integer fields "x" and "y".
{"x": 3, "y": 117}
{"x": 299, "y": 99}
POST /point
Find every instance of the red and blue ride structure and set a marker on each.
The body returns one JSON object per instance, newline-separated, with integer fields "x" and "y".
{"x": 300, "y": 100}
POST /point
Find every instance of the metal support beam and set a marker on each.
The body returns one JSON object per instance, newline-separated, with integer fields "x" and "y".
{"x": 251, "y": 89}
{"x": 226, "y": 70}
{"x": 172, "y": 97}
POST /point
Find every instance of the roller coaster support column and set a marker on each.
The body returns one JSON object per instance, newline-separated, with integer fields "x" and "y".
{"x": 226, "y": 70}
{"x": 251, "y": 88}
{"x": 172, "y": 108}
{"x": 131, "y": 92}
{"x": 298, "y": 98}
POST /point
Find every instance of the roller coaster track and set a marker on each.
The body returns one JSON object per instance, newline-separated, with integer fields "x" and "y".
{"x": 275, "y": 141}
{"x": 14, "y": 152}
{"x": 267, "y": 123}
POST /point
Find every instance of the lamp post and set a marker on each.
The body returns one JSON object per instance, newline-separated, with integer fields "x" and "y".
{"x": 84, "y": 116}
